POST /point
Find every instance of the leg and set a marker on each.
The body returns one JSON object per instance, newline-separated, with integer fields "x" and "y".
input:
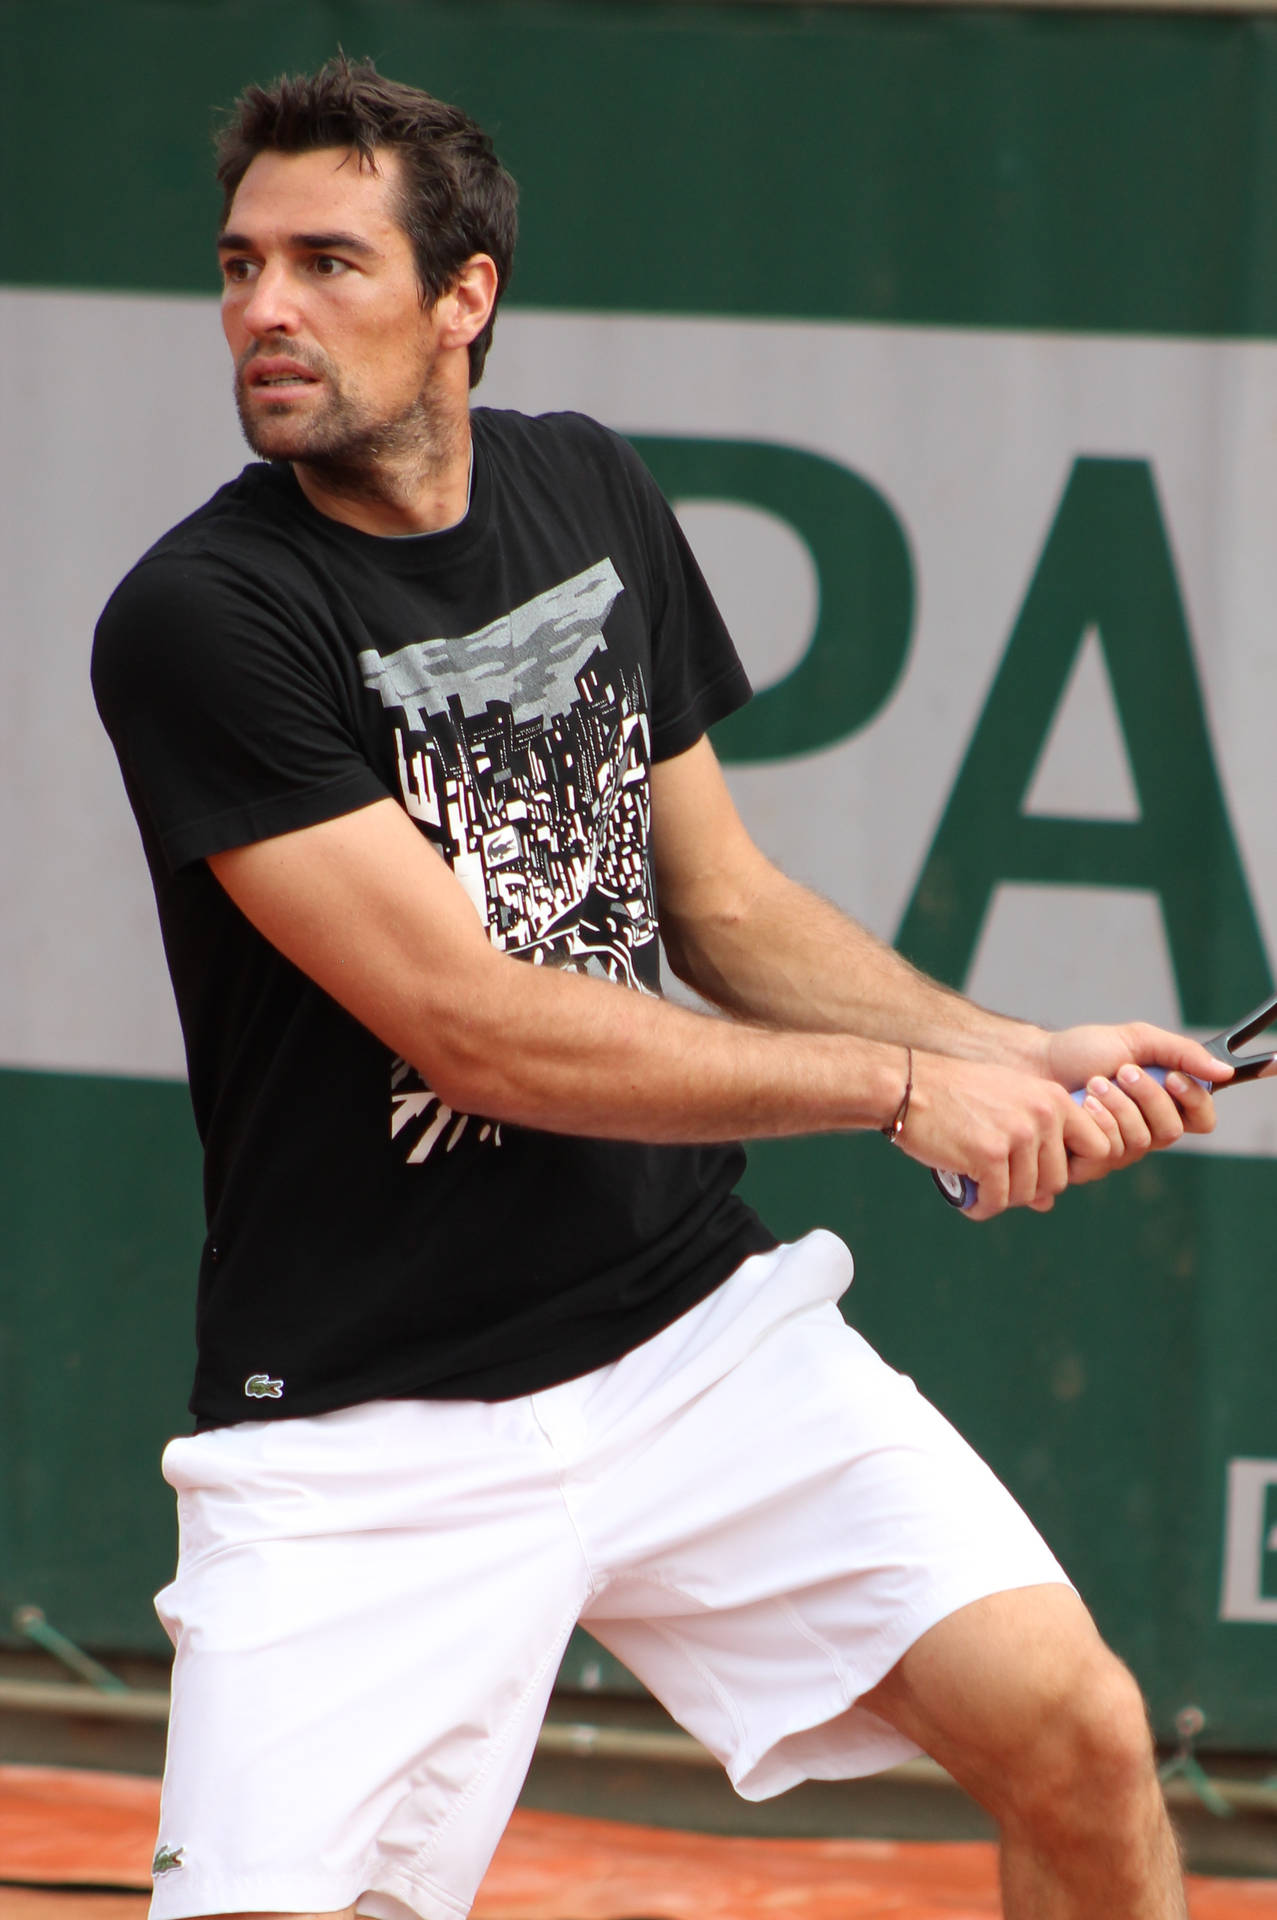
{"x": 1017, "y": 1696}
{"x": 842, "y": 1582}
{"x": 355, "y": 1699}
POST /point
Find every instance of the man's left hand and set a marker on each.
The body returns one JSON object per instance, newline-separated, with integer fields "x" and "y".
{"x": 1137, "y": 1113}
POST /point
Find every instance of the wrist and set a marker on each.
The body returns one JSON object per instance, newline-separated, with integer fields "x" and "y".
{"x": 1030, "y": 1050}
{"x": 895, "y": 1127}
{"x": 1018, "y": 1044}
{"x": 871, "y": 1076}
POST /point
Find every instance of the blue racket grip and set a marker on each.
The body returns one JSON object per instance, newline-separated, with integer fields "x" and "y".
{"x": 961, "y": 1191}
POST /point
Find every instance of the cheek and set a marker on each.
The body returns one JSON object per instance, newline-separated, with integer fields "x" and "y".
{"x": 232, "y": 325}
{"x": 398, "y": 361}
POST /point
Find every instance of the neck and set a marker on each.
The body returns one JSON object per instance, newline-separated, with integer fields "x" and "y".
{"x": 417, "y": 481}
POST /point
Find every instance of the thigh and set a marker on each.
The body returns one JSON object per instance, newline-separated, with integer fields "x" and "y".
{"x": 368, "y": 1615}
{"x": 785, "y": 1539}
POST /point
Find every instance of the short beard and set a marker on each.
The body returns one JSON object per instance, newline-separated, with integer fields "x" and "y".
{"x": 351, "y": 454}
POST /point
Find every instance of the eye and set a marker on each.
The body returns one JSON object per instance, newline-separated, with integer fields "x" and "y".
{"x": 328, "y": 266}
{"x": 236, "y": 269}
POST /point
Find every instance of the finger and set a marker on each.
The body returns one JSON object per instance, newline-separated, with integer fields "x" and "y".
{"x": 1197, "y": 1109}
{"x": 1124, "y": 1117}
{"x": 1053, "y": 1172}
{"x": 1175, "y": 1051}
{"x": 1023, "y": 1168}
{"x": 1107, "y": 1123}
{"x": 1084, "y": 1135}
{"x": 1156, "y": 1106}
{"x": 993, "y": 1190}
{"x": 1083, "y": 1172}
{"x": 993, "y": 1199}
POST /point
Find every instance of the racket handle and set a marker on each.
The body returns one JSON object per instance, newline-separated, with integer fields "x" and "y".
{"x": 961, "y": 1191}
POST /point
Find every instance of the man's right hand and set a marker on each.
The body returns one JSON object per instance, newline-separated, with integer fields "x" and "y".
{"x": 1014, "y": 1133}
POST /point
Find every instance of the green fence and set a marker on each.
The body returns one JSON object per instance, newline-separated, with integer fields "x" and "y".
{"x": 960, "y": 331}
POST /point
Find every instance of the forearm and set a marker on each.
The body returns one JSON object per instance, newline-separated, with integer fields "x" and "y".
{"x": 570, "y": 1054}
{"x": 780, "y": 955}
{"x": 378, "y": 921}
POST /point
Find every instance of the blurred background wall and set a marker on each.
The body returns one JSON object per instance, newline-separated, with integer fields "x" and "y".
{"x": 953, "y": 335}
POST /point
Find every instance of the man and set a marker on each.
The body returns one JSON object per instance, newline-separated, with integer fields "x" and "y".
{"x": 413, "y": 718}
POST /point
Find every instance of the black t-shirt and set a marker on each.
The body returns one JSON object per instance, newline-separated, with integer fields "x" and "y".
{"x": 508, "y": 681}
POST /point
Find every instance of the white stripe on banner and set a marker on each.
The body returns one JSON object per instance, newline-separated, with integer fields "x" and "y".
{"x": 118, "y": 421}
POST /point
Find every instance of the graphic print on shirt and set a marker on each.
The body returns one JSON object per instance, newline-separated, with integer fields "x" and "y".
{"x": 524, "y": 755}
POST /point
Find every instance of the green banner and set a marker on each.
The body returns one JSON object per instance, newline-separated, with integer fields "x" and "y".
{"x": 981, "y": 168}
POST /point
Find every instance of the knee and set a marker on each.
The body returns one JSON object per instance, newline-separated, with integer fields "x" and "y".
{"x": 1091, "y": 1751}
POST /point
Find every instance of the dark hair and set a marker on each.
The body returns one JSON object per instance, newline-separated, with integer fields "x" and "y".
{"x": 456, "y": 199}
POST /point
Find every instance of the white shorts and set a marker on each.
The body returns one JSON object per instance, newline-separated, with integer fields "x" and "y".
{"x": 751, "y": 1510}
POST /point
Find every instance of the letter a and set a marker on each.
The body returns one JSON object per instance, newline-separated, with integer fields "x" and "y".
{"x": 1107, "y": 569}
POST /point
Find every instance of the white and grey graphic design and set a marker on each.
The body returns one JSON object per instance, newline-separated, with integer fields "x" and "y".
{"x": 524, "y": 756}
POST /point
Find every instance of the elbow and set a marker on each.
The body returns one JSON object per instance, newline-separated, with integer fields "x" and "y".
{"x": 704, "y": 951}
{"x": 464, "y": 1079}
{"x": 678, "y": 957}
{"x": 472, "y": 1053}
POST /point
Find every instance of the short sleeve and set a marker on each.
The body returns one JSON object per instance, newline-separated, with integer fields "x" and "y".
{"x": 697, "y": 674}
{"x": 226, "y": 708}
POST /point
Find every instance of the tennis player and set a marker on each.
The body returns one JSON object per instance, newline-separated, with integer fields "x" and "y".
{"x": 413, "y": 718}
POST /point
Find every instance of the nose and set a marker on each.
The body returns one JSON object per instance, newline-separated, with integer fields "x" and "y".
{"x": 271, "y": 305}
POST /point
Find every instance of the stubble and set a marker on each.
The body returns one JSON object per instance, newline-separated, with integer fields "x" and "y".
{"x": 348, "y": 449}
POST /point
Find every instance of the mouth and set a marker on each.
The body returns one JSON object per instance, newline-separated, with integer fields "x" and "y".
{"x": 277, "y": 377}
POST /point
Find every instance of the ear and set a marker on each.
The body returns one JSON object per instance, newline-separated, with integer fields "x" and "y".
{"x": 464, "y": 310}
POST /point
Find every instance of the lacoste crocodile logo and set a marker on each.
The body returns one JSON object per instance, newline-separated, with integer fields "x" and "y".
{"x": 260, "y": 1386}
{"x": 166, "y": 1858}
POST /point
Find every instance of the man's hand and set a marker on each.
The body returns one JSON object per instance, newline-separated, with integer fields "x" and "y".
{"x": 1019, "y": 1135}
{"x": 1023, "y": 1138}
{"x": 1137, "y": 1114}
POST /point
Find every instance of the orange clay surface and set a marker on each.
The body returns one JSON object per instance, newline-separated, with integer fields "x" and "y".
{"x": 62, "y": 1830}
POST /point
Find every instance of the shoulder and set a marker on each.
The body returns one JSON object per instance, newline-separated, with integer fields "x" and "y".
{"x": 564, "y": 436}
{"x": 223, "y": 569}
{"x": 244, "y": 531}
{"x": 571, "y": 456}
{"x": 247, "y": 521}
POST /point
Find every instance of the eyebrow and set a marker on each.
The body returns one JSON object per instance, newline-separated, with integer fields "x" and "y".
{"x": 302, "y": 243}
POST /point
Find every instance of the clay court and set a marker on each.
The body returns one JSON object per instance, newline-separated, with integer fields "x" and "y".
{"x": 76, "y": 1845}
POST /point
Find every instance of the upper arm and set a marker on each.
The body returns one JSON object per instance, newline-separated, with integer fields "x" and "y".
{"x": 366, "y": 908}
